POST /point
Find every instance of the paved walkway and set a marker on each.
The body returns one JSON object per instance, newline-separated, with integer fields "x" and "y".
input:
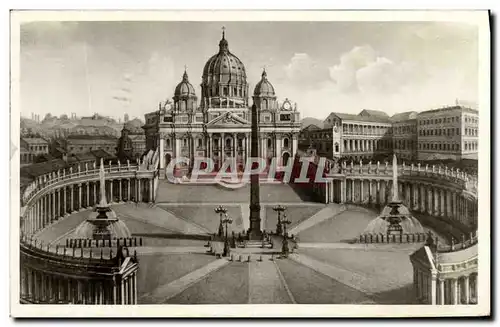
{"x": 265, "y": 283}
{"x": 162, "y": 217}
{"x": 267, "y": 204}
{"x": 357, "y": 246}
{"x": 150, "y": 250}
{"x": 356, "y": 280}
{"x": 322, "y": 215}
{"x": 164, "y": 292}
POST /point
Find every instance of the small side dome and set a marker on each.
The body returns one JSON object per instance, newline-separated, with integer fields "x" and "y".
{"x": 184, "y": 88}
{"x": 264, "y": 88}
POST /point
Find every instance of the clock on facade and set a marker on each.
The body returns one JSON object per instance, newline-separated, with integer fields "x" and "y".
{"x": 287, "y": 105}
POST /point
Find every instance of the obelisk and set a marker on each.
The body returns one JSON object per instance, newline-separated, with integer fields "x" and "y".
{"x": 395, "y": 190}
{"x": 103, "y": 207}
{"x": 254, "y": 232}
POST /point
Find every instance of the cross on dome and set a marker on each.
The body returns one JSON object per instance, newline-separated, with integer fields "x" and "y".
{"x": 185, "y": 75}
{"x": 223, "y": 45}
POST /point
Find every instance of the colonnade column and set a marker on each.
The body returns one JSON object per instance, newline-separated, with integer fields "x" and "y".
{"x": 352, "y": 190}
{"x": 454, "y": 287}
{"x": 222, "y": 151}
{"x": 151, "y": 190}
{"x": 120, "y": 190}
{"x": 433, "y": 289}
{"x": 370, "y": 195}
{"x": 421, "y": 197}
{"x": 128, "y": 189}
{"x": 139, "y": 191}
{"x": 54, "y": 213}
{"x": 209, "y": 146}
{"x": 414, "y": 200}
{"x": 71, "y": 208}
{"x": 442, "y": 203}
{"x": 88, "y": 194}
{"x": 44, "y": 211}
{"x": 111, "y": 198}
{"x": 361, "y": 191}
{"x": 378, "y": 192}
{"x": 79, "y": 196}
{"x": 456, "y": 204}
{"x": 441, "y": 291}
{"x": 436, "y": 201}
{"x": 466, "y": 290}
{"x": 64, "y": 202}
{"x": 49, "y": 208}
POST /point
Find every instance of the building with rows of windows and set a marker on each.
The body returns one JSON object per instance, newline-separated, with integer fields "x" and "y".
{"x": 448, "y": 133}
{"x": 438, "y": 134}
{"x": 31, "y": 147}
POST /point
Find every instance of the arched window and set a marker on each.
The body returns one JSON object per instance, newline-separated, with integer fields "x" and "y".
{"x": 168, "y": 143}
{"x": 285, "y": 142}
{"x": 228, "y": 143}
{"x": 200, "y": 143}
{"x": 264, "y": 103}
{"x": 337, "y": 147}
{"x": 269, "y": 142}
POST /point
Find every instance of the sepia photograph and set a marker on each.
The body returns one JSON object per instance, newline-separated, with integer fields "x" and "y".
{"x": 179, "y": 163}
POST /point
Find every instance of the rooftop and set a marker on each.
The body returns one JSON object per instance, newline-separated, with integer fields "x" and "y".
{"x": 373, "y": 113}
{"x": 449, "y": 108}
{"x": 377, "y": 119}
{"x": 34, "y": 140}
{"x": 404, "y": 116}
{"x": 75, "y": 137}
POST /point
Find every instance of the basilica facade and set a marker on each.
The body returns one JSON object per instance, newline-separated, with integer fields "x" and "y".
{"x": 217, "y": 124}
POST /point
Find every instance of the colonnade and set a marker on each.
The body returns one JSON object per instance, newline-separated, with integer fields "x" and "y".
{"x": 60, "y": 201}
{"x": 42, "y": 286}
{"x": 222, "y": 145}
{"x": 432, "y": 288}
{"x": 48, "y": 277}
{"x": 425, "y": 197}
{"x": 366, "y": 145}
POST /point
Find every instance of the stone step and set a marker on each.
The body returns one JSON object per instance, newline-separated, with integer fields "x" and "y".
{"x": 257, "y": 244}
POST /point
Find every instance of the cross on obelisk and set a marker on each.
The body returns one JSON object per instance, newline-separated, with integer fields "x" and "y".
{"x": 223, "y": 31}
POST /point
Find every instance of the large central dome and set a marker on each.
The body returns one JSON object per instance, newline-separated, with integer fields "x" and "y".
{"x": 224, "y": 79}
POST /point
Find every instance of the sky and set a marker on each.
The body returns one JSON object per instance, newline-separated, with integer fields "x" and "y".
{"x": 128, "y": 67}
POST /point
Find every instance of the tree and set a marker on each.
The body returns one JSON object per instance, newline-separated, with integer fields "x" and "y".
{"x": 63, "y": 117}
{"x": 47, "y": 117}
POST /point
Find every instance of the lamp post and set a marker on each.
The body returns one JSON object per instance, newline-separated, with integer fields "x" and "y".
{"x": 221, "y": 211}
{"x": 226, "y": 221}
{"x": 285, "y": 250}
{"x": 279, "y": 209}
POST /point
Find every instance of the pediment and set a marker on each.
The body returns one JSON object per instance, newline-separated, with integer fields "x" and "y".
{"x": 228, "y": 119}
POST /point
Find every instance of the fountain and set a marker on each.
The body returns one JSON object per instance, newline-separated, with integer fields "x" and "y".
{"x": 103, "y": 224}
{"x": 395, "y": 218}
